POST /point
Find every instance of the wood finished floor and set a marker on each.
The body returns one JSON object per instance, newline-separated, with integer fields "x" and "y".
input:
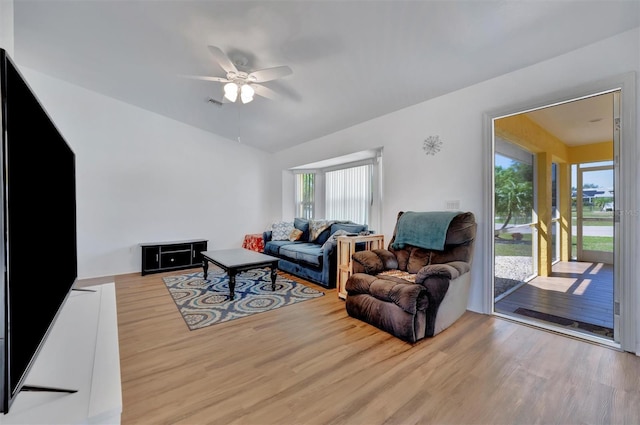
{"x": 310, "y": 363}
{"x": 575, "y": 290}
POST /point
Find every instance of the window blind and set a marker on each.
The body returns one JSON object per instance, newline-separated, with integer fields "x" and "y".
{"x": 348, "y": 194}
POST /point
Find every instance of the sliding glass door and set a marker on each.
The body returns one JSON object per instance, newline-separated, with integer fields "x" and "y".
{"x": 515, "y": 231}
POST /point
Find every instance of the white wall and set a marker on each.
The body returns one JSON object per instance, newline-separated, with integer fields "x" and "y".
{"x": 6, "y": 26}
{"x": 415, "y": 181}
{"x": 144, "y": 178}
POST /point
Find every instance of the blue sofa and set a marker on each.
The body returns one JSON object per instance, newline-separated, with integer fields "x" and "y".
{"x": 315, "y": 260}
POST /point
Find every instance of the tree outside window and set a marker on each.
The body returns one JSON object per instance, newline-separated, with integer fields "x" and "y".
{"x": 305, "y": 194}
{"x": 514, "y": 193}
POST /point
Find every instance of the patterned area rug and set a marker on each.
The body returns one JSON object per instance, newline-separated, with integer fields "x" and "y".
{"x": 206, "y": 302}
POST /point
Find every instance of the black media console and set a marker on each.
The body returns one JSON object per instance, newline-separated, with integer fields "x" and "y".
{"x": 165, "y": 256}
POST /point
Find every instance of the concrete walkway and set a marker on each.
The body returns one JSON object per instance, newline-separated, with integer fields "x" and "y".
{"x": 588, "y": 230}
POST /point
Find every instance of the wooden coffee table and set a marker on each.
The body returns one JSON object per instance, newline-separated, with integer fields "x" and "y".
{"x": 238, "y": 260}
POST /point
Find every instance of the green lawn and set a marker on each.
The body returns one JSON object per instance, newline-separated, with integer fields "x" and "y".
{"x": 505, "y": 246}
{"x": 511, "y": 249}
{"x": 596, "y": 243}
{"x": 603, "y": 218}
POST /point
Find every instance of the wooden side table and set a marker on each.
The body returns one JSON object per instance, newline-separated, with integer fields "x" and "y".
{"x": 346, "y": 248}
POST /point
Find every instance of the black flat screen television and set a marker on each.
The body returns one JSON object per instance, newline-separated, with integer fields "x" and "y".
{"x": 38, "y": 218}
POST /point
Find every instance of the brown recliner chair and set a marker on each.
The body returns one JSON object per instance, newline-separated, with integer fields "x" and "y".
{"x": 419, "y": 286}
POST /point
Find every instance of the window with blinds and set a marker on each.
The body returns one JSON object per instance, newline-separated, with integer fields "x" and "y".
{"x": 347, "y": 187}
{"x": 348, "y": 194}
{"x": 305, "y": 194}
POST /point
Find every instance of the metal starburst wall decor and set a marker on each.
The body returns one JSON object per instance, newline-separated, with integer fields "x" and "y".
{"x": 432, "y": 145}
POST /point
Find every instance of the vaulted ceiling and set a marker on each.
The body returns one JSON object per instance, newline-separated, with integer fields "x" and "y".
{"x": 352, "y": 61}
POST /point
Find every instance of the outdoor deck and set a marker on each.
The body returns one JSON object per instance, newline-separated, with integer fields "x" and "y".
{"x": 579, "y": 291}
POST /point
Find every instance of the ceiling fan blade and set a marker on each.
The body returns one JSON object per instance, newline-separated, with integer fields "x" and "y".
{"x": 266, "y": 92}
{"x": 223, "y": 60}
{"x": 269, "y": 74}
{"x": 205, "y": 78}
{"x": 218, "y": 101}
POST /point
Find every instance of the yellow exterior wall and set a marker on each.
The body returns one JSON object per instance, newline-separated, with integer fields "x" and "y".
{"x": 591, "y": 153}
{"x": 564, "y": 206}
{"x": 522, "y": 131}
{"x": 543, "y": 168}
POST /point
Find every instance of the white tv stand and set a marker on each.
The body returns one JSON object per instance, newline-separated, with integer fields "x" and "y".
{"x": 81, "y": 353}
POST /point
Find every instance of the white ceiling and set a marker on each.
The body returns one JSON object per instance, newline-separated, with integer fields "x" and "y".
{"x": 352, "y": 61}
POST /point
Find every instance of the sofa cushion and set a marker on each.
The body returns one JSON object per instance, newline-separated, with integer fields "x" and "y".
{"x": 273, "y": 247}
{"x": 418, "y": 258}
{"x": 304, "y": 252}
{"x": 371, "y": 263}
{"x": 281, "y": 230}
{"x": 408, "y": 296}
{"x": 451, "y": 270}
{"x": 462, "y": 229}
{"x": 462, "y": 252}
{"x": 409, "y": 277}
{"x": 348, "y": 227}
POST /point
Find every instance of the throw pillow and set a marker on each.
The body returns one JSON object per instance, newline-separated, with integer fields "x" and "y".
{"x": 302, "y": 224}
{"x": 281, "y": 230}
{"x": 332, "y": 241}
{"x": 295, "y": 235}
{"x": 316, "y": 227}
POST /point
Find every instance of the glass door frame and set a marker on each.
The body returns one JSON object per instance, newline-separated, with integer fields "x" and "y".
{"x": 581, "y": 253}
{"x": 555, "y": 214}
{"x": 529, "y": 227}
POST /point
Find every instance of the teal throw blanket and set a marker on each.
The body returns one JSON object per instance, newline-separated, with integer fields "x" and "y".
{"x": 423, "y": 229}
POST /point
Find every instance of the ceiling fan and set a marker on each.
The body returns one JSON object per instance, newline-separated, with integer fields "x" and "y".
{"x": 241, "y": 84}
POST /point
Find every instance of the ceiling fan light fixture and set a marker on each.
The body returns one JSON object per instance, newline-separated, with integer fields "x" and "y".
{"x": 231, "y": 91}
{"x": 246, "y": 93}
